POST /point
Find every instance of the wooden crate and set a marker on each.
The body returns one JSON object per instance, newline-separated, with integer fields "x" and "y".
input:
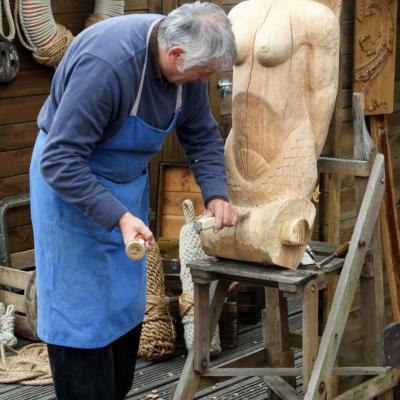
{"x": 17, "y": 273}
{"x": 175, "y": 184}
{"x": 17, "y": 287}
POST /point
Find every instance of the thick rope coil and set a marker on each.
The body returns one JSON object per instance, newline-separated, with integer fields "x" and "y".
{"x": 157, "y": 340}
{"x": 47, "y": 40}
{"x": 10, "y": 21}
{"x": 190, "y": 249}
{"x": 7, "y": 325}
{"x": 28, "y": 366}
{"x": 105, "y": 9}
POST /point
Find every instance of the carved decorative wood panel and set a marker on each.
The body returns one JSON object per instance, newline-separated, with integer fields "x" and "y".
{"x": 374, "y": 53}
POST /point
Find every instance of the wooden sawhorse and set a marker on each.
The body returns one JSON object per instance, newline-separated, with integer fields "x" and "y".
{"x": 319, "y": 355}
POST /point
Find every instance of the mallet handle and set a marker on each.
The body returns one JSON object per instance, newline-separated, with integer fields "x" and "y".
{"x": 135, "y": 249}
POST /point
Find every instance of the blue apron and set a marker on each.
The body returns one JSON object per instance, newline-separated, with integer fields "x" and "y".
{"x": 89, "y": 292}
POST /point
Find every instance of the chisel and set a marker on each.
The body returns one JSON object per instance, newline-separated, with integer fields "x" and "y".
{"x": 341, "y": 250}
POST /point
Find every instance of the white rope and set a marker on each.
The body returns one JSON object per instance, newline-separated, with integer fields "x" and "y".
{"x": 9, "y": 18}
{"x": 109, "y": 8}
{"x": 7, "y": 325}
{"x": 37, "y": 22}
{"x": 190, "y": 249}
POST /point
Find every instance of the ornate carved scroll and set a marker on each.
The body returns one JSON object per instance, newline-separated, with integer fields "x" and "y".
{"x": 374, "y": 53}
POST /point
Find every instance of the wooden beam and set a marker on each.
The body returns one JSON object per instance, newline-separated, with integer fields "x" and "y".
{"x": 340, "y": 371}
{"x": 280, "y": 387}
{"x": 339, "y": 166}
{"x": 373, "y": 387}
{"x": 253, "y": 372}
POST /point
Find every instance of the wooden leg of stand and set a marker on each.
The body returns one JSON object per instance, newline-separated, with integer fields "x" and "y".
{"x": 310, "y": 330}
{"x": 201, "y": 342}
{"x": 332, "y": 390}
{"x": 190, "y": 379}
{"x": 276, "y": 332}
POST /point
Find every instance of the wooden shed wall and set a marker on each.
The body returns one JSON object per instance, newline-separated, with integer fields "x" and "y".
{"x": 21, "y": 101}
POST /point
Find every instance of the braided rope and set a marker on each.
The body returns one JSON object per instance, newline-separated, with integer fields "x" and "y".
{"x": 188, "y": 211}
{"x": 157, "y": 340}
{"x": 7, "y": 325}
{"x": 10, "y": 21}
{"x": 190, "y": 249}
{"x": 28, "y": 366}
{"x": 48, "y": 40}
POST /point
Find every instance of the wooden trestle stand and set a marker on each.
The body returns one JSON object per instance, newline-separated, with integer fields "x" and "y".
{"x": 211, "y": 281}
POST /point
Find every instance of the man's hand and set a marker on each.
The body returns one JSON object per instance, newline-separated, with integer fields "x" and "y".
{"x": 132, "y": 228}
{"x": 225, "y": 214}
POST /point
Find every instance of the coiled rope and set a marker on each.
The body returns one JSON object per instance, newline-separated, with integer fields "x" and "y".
{"x": 9, "y": 18}
{"x": 157, "y": 340}
{"x": 28, "y": 366}
{"x": 105, "y": 9}
{"x": 190, "y": 249}
{"x": 46, "y": 39}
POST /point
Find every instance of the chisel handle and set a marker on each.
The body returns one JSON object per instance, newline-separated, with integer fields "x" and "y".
{"x": 135, "y": 249}
{"x": 203, "y": 224}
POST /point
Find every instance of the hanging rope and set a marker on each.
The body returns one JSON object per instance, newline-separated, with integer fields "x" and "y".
{"x": 190, "y": 249}
{"x": 105, "y": 9}
{"x": 47, "y": 40}
{"x": 9, "y": 18}
{"x": 157, "y": 340}
{"x": 28, "y": 366}
{"x": 38, "y": 31}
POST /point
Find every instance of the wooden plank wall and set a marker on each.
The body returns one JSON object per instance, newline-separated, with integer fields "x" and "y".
{"x": 21, "y": 101}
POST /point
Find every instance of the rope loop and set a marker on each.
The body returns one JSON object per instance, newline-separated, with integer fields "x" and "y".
{"x": 10, "y": 21}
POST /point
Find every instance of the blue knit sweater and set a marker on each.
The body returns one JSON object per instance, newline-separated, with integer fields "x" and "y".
{"x": 91, "y": 96}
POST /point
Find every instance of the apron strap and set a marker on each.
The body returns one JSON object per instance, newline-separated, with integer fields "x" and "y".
{"x": 139, "y": 93}
{"x": 135, "y": 107}
{"x": 178, "y": 98}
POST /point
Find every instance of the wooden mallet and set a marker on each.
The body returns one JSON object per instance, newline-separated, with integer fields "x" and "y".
{"x": 135, "y": 249}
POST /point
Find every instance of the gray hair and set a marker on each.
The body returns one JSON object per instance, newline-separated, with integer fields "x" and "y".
{"x": 204, "y": 32}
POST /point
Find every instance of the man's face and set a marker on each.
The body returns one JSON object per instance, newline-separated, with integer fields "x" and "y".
{"x": 171, "y": 61}
{"x": 197, "y": 73}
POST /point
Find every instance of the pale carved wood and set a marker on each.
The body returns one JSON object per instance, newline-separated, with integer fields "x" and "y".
{"x": 374, "y": 54}
{"x": 284, "y": 91}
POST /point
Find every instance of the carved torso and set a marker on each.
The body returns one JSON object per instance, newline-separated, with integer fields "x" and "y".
{"x": 273, "y": 138}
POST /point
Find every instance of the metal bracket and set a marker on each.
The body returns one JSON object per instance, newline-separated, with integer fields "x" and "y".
{"x": 225, "y": 87}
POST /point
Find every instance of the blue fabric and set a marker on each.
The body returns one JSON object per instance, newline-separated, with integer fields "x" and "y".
{"x": 89, "y": 292}
{"x": 91, "y": 96}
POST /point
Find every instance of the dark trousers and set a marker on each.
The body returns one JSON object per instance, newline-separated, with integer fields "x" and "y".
{"x": 95, "y": 374}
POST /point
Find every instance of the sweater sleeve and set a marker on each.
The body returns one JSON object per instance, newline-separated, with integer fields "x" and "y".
{"x": 203, "y": 145}
{"x": 88, "y": 103}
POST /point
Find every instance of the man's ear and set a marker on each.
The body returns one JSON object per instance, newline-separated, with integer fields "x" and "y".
{"x": 175, "y": 55}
